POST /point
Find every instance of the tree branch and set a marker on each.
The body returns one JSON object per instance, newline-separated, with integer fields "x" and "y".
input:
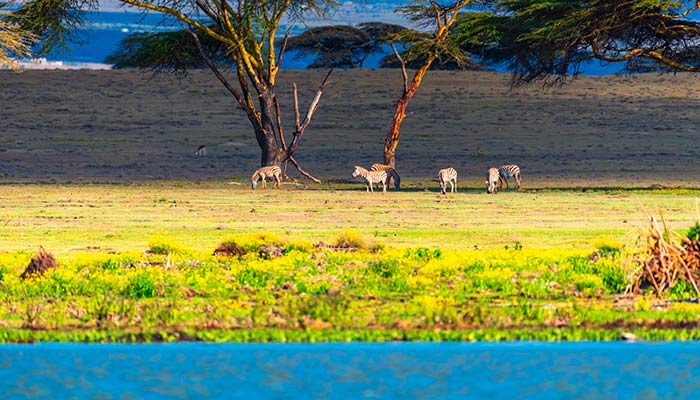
{"x": 214, "y": 69}
{"x": 297, "y": 122}
{"x": 301, "y": 171}
{"x": 283, "y": 48}
{"x": 279, "y": 122}
{"x": 307, "y": 120}
{"x": 403, "y": 68}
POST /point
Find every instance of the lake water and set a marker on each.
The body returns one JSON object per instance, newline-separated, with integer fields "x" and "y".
{"x": 104, "y": 30}
{"x": 516, "y": 370}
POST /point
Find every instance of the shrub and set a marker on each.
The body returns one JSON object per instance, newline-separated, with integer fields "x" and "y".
{"x": 609, "y": 249}
{"x": 614, "y": 278}
{"x": 351, "y": 240}
{"x": 384, "y": 268}
{"x": 141, "y": 286}
{"x": 229, "y": 248}
{"x": 39, "y": 264}
{"x": 164, "y": 245}
{"x": 694, "y": 232}
{"x": 587, "y": 284}
{"x": 253, "y": 277}
{"x": 423, "y": 254}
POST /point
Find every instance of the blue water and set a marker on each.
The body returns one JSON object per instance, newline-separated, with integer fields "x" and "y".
{"x": 107, "y": 28}
{"x": 104, "y": 30}
{"x": 521, "y": 370}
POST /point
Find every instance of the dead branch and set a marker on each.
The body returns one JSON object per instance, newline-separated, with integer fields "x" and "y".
{"x": 403, "y": 68}
{"x": 301, "y": 171}
{"x": 310, "y": 113}
{"x": 279, "y": 122}
{"x": 667, "y": 259}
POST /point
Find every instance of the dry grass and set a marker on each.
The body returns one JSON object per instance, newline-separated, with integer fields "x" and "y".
{"x": 124, "y": 217}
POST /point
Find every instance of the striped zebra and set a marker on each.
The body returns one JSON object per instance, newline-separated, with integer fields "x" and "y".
{"x": 271, "y": 171}
{"x": 492, "y": 180}
{"x": 509, "y": 171}
{"x": 371, "y": 177}
{"x": 390, "y": 172}
{"x": 446, "y": 175}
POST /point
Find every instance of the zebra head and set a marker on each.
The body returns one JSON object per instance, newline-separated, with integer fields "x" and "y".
{"x": 253, "y": 183}
{"x": 443, "y": 186}
{"x": 492, "y": 178}
{"x": 357, "y": 172}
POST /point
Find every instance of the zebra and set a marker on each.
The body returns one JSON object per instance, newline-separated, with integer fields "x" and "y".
{"x": 390, "y": 172}
{"x": 492, "y": 180}
{"x": 446, "y": 175}
{"x": 371, "y": 177}
{"x": 509, "y": 171}
{"x": 271, "y": 171}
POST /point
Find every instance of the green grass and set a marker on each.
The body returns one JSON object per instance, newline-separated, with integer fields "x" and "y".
{"x": 137, "y": 264}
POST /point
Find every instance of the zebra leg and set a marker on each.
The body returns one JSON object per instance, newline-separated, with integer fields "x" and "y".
{"x": 384, "y": 185}
{"x": 264, "y": 184}
{"x": 452, "y": 187}
{"x": 518, "y": 180}
{"x": 279, "y": 181}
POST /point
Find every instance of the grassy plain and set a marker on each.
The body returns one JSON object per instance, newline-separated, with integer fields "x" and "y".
{"x": 137, "y": 264}
{"x": 101, "y": 174}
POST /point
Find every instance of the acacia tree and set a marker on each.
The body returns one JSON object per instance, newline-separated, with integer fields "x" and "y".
{"x": 14, "y": 42}
{"x": 342, "y": 46}
{"x": 246, "y": 28}
{"x": 548, "y": 40}
{"x": 426, "y": 48}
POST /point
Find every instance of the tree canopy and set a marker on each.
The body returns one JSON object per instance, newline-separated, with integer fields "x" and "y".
{"x": 14, "y": 41}
{"x": 545, "y": 40}
{"x": 168, "y": 51}
{"x": 342, "y": 46}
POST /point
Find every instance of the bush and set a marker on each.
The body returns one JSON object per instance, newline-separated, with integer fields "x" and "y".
{"x": 694, "y": 232}
{"x": 164, "y": 245}
{"x": 384, "y": 268}
{"x": 423, "y": 254}
{"x": 351, "y": 240}
{"x": 141, "y": 286}
{"x": 608, "y": 249}
{"x": 253, "y": 277}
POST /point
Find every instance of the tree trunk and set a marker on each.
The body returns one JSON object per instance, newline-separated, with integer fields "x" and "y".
{"x": 393, "y": 136}
{"x": 270, "y": 151}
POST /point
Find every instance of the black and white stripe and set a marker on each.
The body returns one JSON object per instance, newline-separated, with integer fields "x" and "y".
{"x": 390, "y": 172}
{"x": 510, "y": 171}
{"x": 492, "y": 179}
{"x": 446, "y": 175}
{"x": 271, "y": 171}
{"x": 371, "y": 177}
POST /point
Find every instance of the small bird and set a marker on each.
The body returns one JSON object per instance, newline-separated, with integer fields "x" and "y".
{"x": 479, "y": 153}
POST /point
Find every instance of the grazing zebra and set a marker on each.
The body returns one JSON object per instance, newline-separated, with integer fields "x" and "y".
{"x": 371, "y": 177}
{"x": 492, "y": 179}
{"x": 448, "y": 174}
{"x": 509, "y": 171}
{"x": 271, "y": 171}
{"x": 201, "y": 151}
{"x": 390, "y": 172}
